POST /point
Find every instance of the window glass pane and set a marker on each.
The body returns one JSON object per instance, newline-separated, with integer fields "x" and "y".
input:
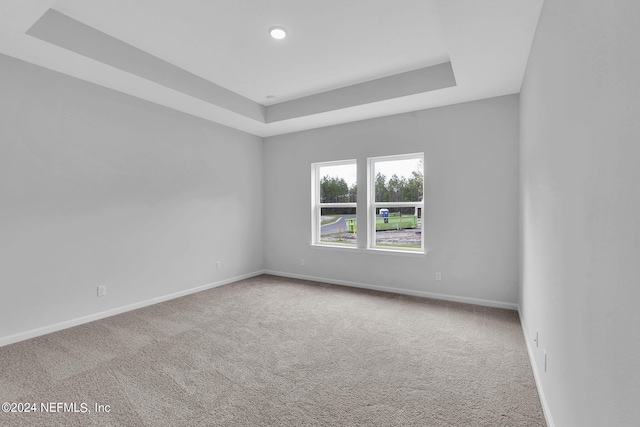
{"x": 338, "y": 184}
{"x": 338, "y": 225}
{"x": 398, "y": 180}
{"x": 399, "y": 227}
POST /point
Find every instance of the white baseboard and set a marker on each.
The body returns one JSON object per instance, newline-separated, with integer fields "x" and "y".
{"x": 466, "y": 300}
{"x": 112, "y": 312}
{"x": 536, "y": 374}
{"x": 118, "y": 310}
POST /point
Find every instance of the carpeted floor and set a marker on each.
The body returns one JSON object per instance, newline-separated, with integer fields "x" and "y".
{"x": 272, "y": 351}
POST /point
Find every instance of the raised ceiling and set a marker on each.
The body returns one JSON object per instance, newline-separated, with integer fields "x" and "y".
{"x": 342, "y": 60}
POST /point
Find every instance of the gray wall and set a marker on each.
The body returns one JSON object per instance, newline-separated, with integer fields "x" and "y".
{"x": 471, "y": 202}
{"x": 580, "y": 150}
{"x": 99, "y": 188}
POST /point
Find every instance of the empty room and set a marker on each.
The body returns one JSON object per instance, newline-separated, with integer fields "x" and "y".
{"x": 331, "y": 213}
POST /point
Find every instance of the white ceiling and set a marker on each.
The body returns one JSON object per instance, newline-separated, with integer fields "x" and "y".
{"x": 224, "y": 67}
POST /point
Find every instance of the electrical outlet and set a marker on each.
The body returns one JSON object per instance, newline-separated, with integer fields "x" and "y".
{"x": 438, "y": 275}
{"x": 218, "y": 265}
{"x": 102, "y": 290}
{"x": 301, "y": 261}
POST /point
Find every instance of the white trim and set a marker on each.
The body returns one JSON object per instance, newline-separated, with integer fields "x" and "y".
{"x": 316, "y": 206}
{"x": 536, "y": 373}
{"x": 349, "y": 246}
{"x": 445, "y": 297}
{"x": 376, "y": 251}
{"x": 112, "y": 312}
{"x": 337, "y": 205}
{"x": 21, "y": 336}
{"x": 392, "y": 157}
{"x": 372, "y": 205}
{"x": 343, "y": 162}
{"x": 398, "y": 204}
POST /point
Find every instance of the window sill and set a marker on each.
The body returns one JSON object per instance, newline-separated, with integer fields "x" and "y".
{"x": 375, "y": 251}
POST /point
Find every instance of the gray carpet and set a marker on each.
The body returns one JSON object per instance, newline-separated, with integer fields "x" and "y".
{"x": 273, "y": 351}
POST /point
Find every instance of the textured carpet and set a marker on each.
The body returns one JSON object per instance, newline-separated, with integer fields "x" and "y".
{"x": 274, "y": 351}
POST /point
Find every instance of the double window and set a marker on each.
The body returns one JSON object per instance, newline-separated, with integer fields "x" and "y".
{"x": 394, "y": 203}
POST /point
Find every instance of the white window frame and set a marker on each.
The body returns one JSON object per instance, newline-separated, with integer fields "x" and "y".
{"x": 316, "y": 205}
{"x": 372, "y": 205}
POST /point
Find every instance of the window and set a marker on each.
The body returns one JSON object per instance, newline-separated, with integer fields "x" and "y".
{"x": 395, "y": 202}
{"x": 393, "y": 205}
{"x": 334, "y": 198}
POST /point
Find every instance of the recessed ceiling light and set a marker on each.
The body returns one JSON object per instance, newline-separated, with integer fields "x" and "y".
{"x": 278, "y": 33}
